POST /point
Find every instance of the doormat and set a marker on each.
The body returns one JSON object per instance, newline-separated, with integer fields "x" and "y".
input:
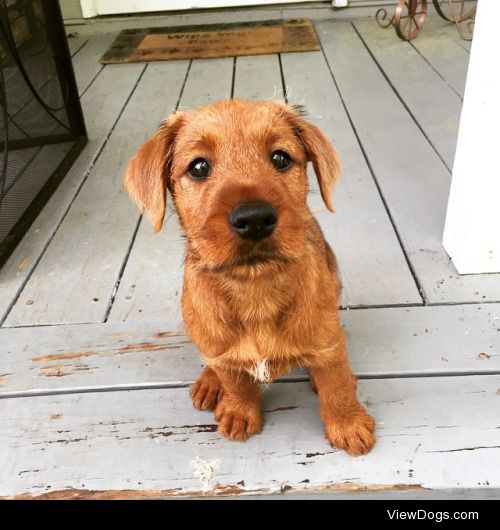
{"x": 214, "y": 40}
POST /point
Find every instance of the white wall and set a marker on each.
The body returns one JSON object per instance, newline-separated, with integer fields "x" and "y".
{"x": 472, "y": 230}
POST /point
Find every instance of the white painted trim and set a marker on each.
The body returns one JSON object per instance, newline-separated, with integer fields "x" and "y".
{"x": 89, "y": 8}
{"x": 92, "y": 8}
{"x": 472, "y": 229}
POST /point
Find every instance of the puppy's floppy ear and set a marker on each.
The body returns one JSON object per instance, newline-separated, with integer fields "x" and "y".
{"x": 147, "y": 174}
{"x": 320, "y": 151}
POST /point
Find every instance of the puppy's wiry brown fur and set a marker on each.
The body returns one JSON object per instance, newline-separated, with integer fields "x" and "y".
{"x": 254, "y": 309}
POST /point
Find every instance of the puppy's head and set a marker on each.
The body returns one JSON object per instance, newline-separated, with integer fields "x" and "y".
{"x": 237, "y": 171}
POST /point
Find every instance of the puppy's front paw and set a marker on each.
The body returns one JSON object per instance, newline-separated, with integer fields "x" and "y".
{"x": 206, "y": 391}
{"x": 354, "y": 433}
{"x": 238, "y": 420}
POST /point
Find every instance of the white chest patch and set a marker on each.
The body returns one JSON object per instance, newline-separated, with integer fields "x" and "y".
{"x": 260, "y": 372}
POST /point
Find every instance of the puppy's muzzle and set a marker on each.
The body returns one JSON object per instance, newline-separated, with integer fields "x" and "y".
{"x": 253, "y": 220}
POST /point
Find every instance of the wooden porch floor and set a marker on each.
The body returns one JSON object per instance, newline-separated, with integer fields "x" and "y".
{"x": 95, "y": 365}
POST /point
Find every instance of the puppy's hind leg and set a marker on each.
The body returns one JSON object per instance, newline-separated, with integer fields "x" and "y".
{"x": 207, "y": 390}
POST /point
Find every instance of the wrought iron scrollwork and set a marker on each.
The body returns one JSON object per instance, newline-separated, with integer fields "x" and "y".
{"x": 409, "y": 17}
{"x": 462, "y": 13}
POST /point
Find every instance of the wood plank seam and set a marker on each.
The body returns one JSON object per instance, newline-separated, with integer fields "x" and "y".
{"x": 68, "y": 208}
{"x": 309, "y": 81}
{"x": 282, "y": 75}
{"x": 464, "y": 46}
{"x": 354, "y": 308}
{"x": 82, "y": 91}
{"x": 187, "y": 384}
{"x": 425, "y": 91}
{"x": 382, "y": 342}
{"x": 424, "y": 58}
{"x": 399, "y": 96}
{"x": 191, "y": 89}
{"x": 484, "y": 302}
{"x": 139, "y": 221}
{"x": 122, "y": 268}
{"x": 359, "y": 307}
{"x": 188, "y": 70}
{"x": 233, "y": 78}
{"x": 377, "y": 183}
{"x": 419, "y": 214}
{"x": 79, "y": 48}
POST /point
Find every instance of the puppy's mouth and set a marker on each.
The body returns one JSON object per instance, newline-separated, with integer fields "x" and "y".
{"x": 257, "y": 259}
{"x": 249, "y": 253}
{"x": 253, "y": 257}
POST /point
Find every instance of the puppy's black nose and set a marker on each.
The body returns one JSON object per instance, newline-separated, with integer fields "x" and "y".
{"x": 253, "y": 220}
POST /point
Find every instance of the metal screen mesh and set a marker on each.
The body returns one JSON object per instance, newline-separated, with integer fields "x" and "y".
{"x": 40, "y": 116}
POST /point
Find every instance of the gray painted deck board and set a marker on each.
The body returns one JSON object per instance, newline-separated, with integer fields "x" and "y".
{"x": 72, "y": 445}
{"x": 443, "y": 30}
{"x": 384, "y": 342}
{"x": 414, "y": 181}
{"x": 151, "y": 284}
{"x": 83, "y": 400}
{"x": 258, "y": 78}
{"x": 76, "y": 276}
{"x": 434, "y": 105}
{"x": 101, "y": 112}
{"x": 446, "y": 55}
{"x": 86, "y": 62}
{"x": 372, "y": 265}
{"x": 75, "y": 44}
{"x": 207, "y": 82}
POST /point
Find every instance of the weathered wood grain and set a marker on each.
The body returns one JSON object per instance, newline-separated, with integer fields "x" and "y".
{"x": 151, "y": 284}
{"x": 433, "y": 435}
{"x": 384, "y": 342}
{"x": 413, "y": 180}
{"x": 101, "y": 104}
{"x": 432, "y": 103}
{"x": 372, "y": 264}
{"x": 74, "y": 280}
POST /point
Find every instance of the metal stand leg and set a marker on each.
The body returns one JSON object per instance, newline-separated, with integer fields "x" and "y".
{"x": 457, "y": 12}
{"x": 408, "y": 19}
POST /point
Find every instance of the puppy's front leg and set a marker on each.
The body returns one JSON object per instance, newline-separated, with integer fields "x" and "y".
{"x": 238, "y": 411}
{"x": 347, "y": 424}
{"x": 207, "y": 390}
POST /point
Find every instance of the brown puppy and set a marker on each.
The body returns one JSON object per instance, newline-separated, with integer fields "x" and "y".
{"x": 260, "y": 282}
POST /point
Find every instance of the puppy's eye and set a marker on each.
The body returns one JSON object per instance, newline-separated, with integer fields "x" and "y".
{"x": 199, "y": 168}
{"x": 281, "y": 160}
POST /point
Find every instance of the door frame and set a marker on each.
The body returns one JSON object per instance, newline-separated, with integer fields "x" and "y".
{"x": 94, "y": 8}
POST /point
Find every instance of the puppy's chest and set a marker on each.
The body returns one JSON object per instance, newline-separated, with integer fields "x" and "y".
{"x": 257, "y": 308}
{"x": 265, "y": 356}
